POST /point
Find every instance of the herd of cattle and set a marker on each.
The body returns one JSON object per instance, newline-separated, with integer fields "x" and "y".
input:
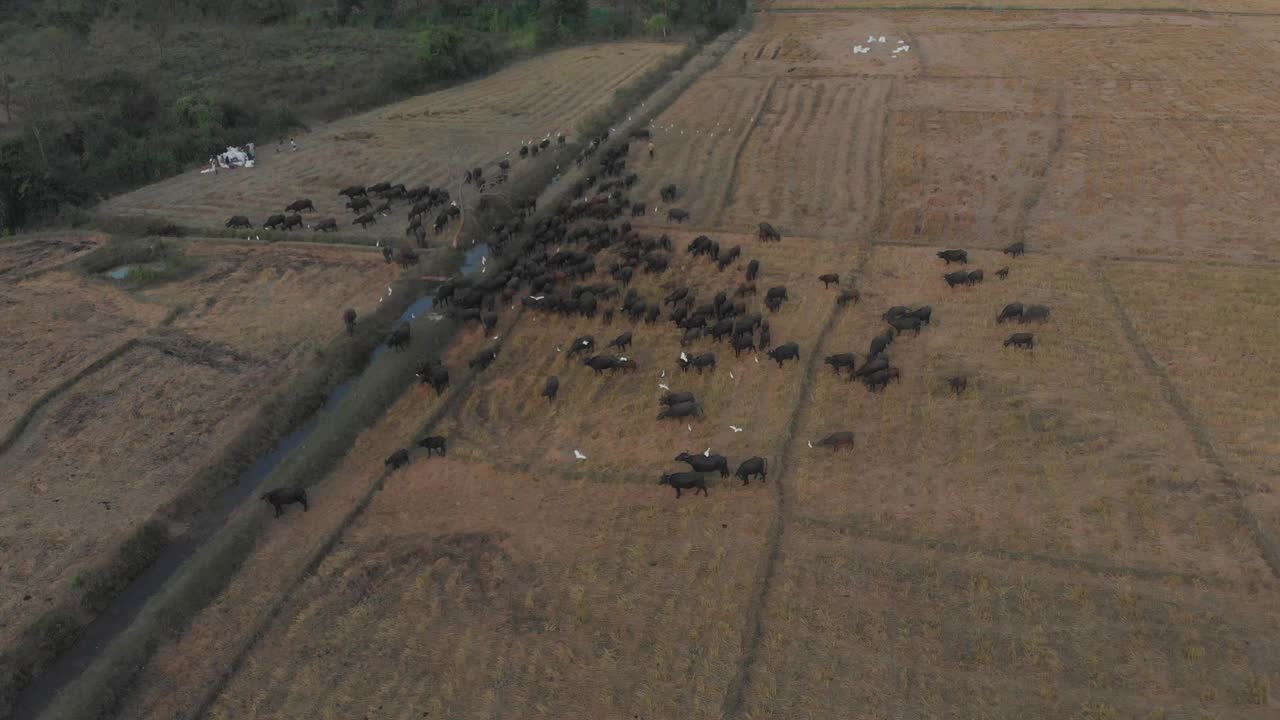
{"x": 580, "y": 260}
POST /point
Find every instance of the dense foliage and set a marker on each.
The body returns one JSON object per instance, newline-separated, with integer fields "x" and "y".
{"x": 81, "y": 116}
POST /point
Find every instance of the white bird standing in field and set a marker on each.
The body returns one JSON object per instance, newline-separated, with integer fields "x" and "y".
{"x": 579, "y": 455}
{"x": 810, "y": 445}
{"x": 730, "y": 374}
{"x": 690, "y": 427}
{"x": 663, "y": 386}
{"x": 735, "y": 428}
{"x": 707, "y": 452}
{"x": 388, "y": 291}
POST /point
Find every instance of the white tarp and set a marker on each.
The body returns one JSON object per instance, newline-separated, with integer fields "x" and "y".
{"x": 235, "y": 157}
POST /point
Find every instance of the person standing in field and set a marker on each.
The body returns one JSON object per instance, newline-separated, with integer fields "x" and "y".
{"x": 650, "y": 151}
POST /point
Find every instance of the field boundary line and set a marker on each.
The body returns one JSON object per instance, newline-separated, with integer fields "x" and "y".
{"x": 1041, "y": 181}
{"x": 951, "y": 547}
{"x": 1267, "y": 546}
{"x": 1168, "y": 10}
{"x": 735, "y": 694}
{"x": 20, "y": 425}
{"x": 727, "y": 195}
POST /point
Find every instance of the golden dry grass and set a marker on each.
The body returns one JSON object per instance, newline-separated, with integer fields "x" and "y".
{"x": 1053, "y": 543}
{"x": 1070, "y": 450}
{"x": 1220, "y": 355}
{"x": 430, "y": 139}
{"x": 860, "y": 628}
{"x": 117, "y": 445}
{"x": 275, "y": 300}
{"x": 521, "y": 597}
{"x": 55, "y": 325}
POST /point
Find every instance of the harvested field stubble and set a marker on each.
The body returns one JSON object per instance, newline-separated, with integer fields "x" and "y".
{"x": 898, "y": 631}
{"x": 560, "y": 598}
{"x": 1033, "y": 457}
{"x": 431, "y": 139}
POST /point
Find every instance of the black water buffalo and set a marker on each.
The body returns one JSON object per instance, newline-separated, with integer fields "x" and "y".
{"x": 705, "y": 463}
{"x": 434, "y": 443}
{"x": 779, "y": 292}
{"x": 680, "y": 410}
{"x": 678, "y": 215}
{"x": 379, "y": 187}
{"x": 676, "y": 296}
{"x": 349, "y": 319}
{"x": 1003, "y": 273}
{"x": 326, "y": 225}
{"x": 1016, "y": 249}
{"x": 785, "y": 351}
{"x": 669, "y": 193}
{"x": 872, "y": 365}
{"x": 292, "y": 221}
{"x": 551, "y": 388}
{"x": 923, "y": 314}
{"x": 682, "y": 481}
{"x": 752, "y": 466}
{"x": 1021, "y": 340}
{"x": 399, "y": 338}
{"x": 956, "y": 256}
{"x": 298, "y": 206}
{"x": 842, "y": 360}
{"x": 836, "y": 440}
{"x": 974, "y": 278}
{"x": 767, "y": 233}
{"x": 699, "y": 362}
{"x": 352, "y": 191}
{"x": 483, "y": 359}
{"x": 675, "y": 398}
{"x": 600, "y": 363}
{"x": 956, "y": 278}
{"x": 743, "y": 341}
{"x": 1011, "y": 311}
{"x": 847, "y": 296}
{"x": 388, "y": 254}
{"x": 273, "y": 222}
{"x": 239, "y": 221}
{"x": 1035, "y": 313}
{"x": 958, "y": 383}
{"x": 397, "y": 460}
{"x": 637, "y": 209}
{"x": 586, "y": 343}
{"x": 880, "y": 378}
{"x": 904, "y": 323}
{"x": 285, "y": 496}
{"x": 753, "y": 269}
{"x": 437, "y": 376}
{"x": 880, "y": 342}
{"x": 365, "y": 220}
{"x": 359, "y": 203}
{"x": 621, "y": 342}
{"x": 829, "y": 279}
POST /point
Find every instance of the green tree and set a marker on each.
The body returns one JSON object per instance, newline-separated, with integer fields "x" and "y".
{"x": 658, "y": 24}
{"x": 438, "y": 49}
{"x": 24, "y": 191}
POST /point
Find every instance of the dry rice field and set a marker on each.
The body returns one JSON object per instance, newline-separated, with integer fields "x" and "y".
{"x": 118, "y": 443}
{"x": 426, "y": 140}
{"x": 1089, "y": 531}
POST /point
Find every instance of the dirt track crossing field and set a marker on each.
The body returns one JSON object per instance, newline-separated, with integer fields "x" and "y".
{"x": 1086, "y": 531}
{"x": 431, "y": 139}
